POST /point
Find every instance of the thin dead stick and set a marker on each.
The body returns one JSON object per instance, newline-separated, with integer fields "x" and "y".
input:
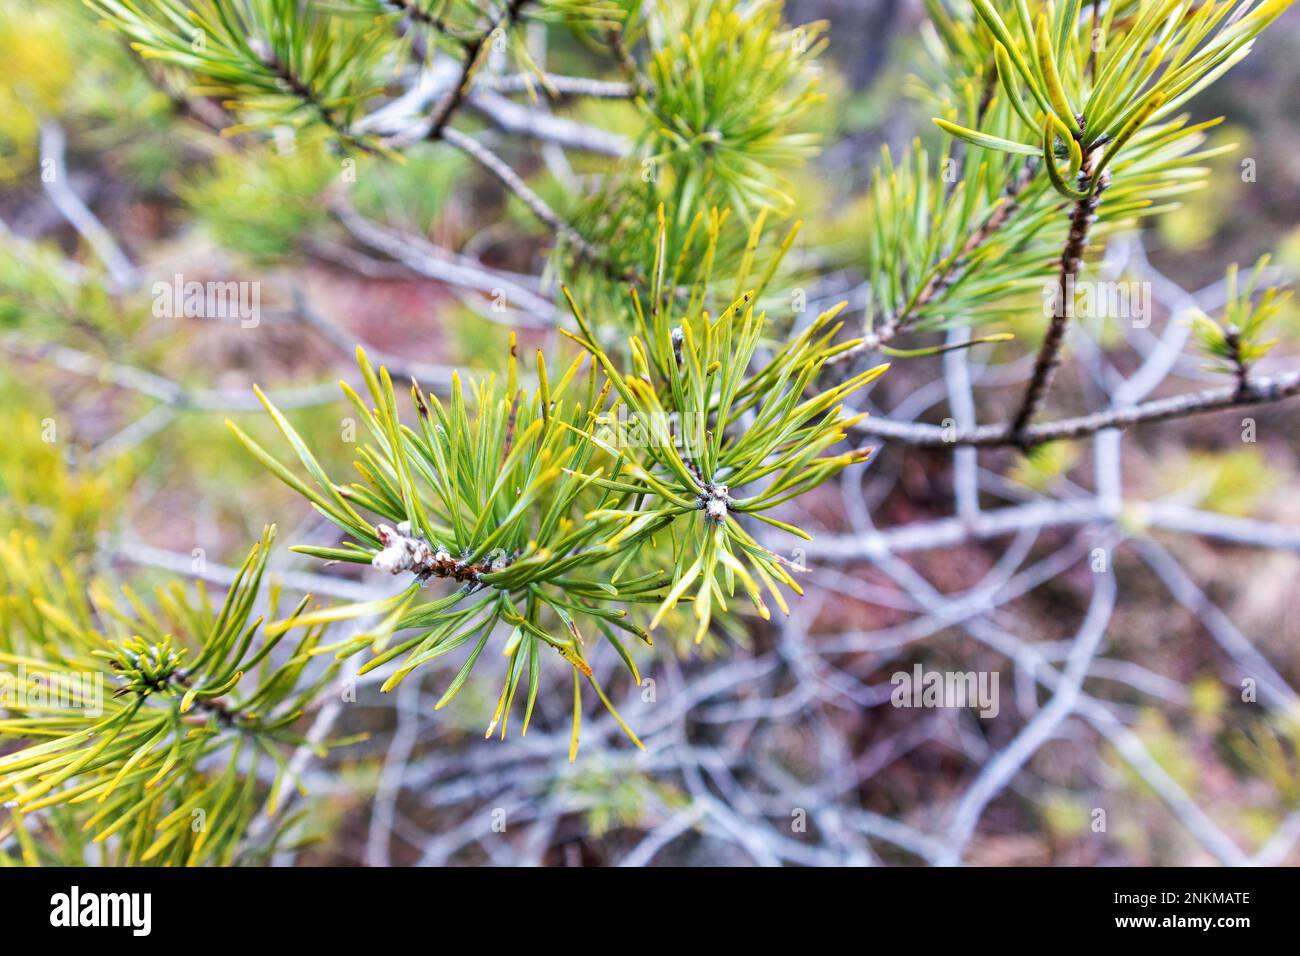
{"x": 512, "y": 181}
{"x": 134, "y": 551}
{"x": 77, "y": 213}
{"x": 263, "y": 825}
{"x": 1000, "y": 522}
{"x": 997, "y": 773}
{"x": 178, "y": 396}
{"x": 1256, "y": 392}
{"x": 423, "y": 257}
{"x": 553, "y": 84}
{"x": 1097, "y": 713}
{"x": 511, "y": 117}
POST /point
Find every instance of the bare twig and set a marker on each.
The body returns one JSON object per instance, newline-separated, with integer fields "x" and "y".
{"x": 77, "y": 213}
{"x": 554, "y": 84}
{"x": 999, "y": 522}
{"x": 512, "y": 181}
{"x": 419, "y": 14}
{"x": 159, "y": 387}
{"x": 997, "y": 773}
{"x": 138, "y": 552}
{"x": 423, "y": 257}
{"x": 1257, "y": 391}
{"x": 511, "y": 117}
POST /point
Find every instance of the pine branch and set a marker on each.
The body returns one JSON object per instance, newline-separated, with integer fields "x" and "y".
{"x": 637, "y": 83}
{"x": 539, "y": 500}
{"x": 192, "y": 696}
{"x": 309, "y": 97}
{"x": 949, "y": 271}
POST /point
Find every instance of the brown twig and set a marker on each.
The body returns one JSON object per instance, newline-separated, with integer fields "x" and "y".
{"x": 214, "y": 705}
{"x": 628, "y": 64}
{"x": 1076, "y": 244}
{"x": 1092, "y": 39}
{"x": 473, "y": 51}
{"x": 420, "y": 15}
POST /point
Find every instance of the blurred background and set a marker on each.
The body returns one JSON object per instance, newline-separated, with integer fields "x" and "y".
{"x": 778, "y": 742}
